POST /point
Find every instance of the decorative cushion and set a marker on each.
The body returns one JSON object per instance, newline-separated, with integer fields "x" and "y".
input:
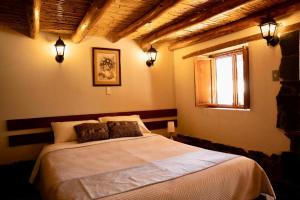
{"x": 91, "y": 132}
{"x": 119, "y": 129}
{"x": 65, "y": 132}
{"x": 136, "y": 118}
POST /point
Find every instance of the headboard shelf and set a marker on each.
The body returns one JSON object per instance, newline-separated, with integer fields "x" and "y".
{"x": 45, "y": 122}
{"x": 32, "y": 138}
{"x": 48, "y": 136}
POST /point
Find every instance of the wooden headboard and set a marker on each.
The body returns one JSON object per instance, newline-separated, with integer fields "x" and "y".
{"x": 153, "y": 119}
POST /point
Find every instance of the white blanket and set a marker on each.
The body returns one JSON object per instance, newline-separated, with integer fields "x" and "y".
{"x": 61, "y": 166}
{"x": 115, "y": 182}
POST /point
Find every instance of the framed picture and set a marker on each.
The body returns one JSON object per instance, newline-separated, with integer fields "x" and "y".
{"x": 106, "y": 67}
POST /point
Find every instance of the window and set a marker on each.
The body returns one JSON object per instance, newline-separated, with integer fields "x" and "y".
{"x": 222, "y": 80}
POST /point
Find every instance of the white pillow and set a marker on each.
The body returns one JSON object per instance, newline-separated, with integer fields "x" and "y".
{"x": 136, "y": 118}
{"x": 65, "y": 132}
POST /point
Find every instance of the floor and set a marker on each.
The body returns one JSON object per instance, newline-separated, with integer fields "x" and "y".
{"x": 14, "y": 182}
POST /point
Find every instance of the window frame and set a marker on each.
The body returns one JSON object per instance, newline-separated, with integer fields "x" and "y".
{"x": 244, "y": 52}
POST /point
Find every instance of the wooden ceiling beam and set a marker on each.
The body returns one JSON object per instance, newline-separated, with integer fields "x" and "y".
{"x": 224, "y": 45}
{"x": 244, "y": 23}
{"x": 34, "y": 18}
{"x": 92, "y": 16}
{"x": 195, "y": 18}
{"x": 243, "y": 40}
{"x": 58, "y": 31}
{"x": 157, "y": 11}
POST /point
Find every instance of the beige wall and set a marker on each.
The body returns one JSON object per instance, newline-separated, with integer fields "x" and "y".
{"x": 33, "y": 84}
{"x": 254, "y": 129}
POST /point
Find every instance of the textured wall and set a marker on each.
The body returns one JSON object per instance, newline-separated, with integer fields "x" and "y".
{"x": 254, "y": 129}
{"x": 33, "y": 84}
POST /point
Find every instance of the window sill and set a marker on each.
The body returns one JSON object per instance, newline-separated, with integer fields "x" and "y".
{"x": 232, "y": 109}
{"x": 215, "y": 107}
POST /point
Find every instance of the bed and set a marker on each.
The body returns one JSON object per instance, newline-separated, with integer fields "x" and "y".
{"x": 95, "y": 170}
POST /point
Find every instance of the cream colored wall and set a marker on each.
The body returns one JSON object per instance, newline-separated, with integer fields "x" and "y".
{"x": 33, "y": 84}
{"x": 254, "y": 129}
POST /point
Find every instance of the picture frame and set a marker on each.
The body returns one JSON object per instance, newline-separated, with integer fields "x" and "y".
{"x": 106, "y": 66}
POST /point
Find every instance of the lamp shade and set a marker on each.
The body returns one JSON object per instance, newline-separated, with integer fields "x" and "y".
{"x": 268, "y": 29}
{"x": 60, "y": 50}
{"x": 171, "y": 127}
{"x": 60, "y": 47}
{"x": 152, "y": 53}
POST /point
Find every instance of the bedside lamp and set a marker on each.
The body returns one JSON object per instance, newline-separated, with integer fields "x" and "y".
{"x": 171, "y": 128}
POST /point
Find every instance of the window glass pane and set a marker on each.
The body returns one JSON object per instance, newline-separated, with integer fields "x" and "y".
{"x": 224, "y": 80}
{"x": 240, "y": 78}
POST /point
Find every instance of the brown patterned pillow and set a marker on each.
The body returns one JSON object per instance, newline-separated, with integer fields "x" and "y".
{"x": 87, "y": 132}
{"x": 119, "y": 129}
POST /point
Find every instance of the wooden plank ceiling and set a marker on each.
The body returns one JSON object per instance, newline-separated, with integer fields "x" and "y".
{"x": 178, "y": 22}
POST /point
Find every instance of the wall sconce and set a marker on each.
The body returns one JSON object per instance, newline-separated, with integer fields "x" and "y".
{"x": 152, "y": 53}
{"x": 268, "y": 29}
{"x": 60, "y": 50}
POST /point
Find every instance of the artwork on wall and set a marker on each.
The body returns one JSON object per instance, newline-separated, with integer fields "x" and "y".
{"x": 106, "y": 67}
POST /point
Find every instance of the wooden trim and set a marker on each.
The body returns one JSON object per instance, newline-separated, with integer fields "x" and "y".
{"x": 48, "y": 137}
{"x": 213, "y": 105}
{"x": 246, "y": 78}
{"x": 226, "y": 53}
{"x": 289, "y": 28}
{"x": 45, "y": 122}
{"x": 239, "y": 41}
{"x": 285, "y": 8}
{"x": 186, "y": 22}
{"x": 214, "y": 81}
{"x": 159, "y": 9}
{"x": 34, "y": 18}
{"x": 234, "y": 75}
{"x": 34, "y": 138}
{"x": 195, "y": 84}
{"x": 224, "y": 45}
{"x": 92, "y": 16}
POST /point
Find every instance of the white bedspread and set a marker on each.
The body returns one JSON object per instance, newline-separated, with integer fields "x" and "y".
{"x": 60, "y": 167}
{"x": 115, "y": 182}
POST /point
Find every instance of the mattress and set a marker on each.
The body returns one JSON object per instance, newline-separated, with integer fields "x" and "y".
{"x": 62, "y": 168}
